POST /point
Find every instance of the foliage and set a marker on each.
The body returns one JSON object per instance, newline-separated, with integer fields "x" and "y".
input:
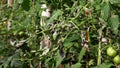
{"x": 23, "y": 31}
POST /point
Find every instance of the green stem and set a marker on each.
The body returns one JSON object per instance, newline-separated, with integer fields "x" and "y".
{"x": 67, "y": 35}
{"x": 99, "y": 46}
{"x": 99, "y": 54}
{"x": 75, "y": 25}
{"x": 22, "y": 59}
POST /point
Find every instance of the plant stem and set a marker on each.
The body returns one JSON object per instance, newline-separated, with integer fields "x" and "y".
{"x": 99, "y": 45}
{"x": 87, "y": 63}
{"x": 99, "y": 54}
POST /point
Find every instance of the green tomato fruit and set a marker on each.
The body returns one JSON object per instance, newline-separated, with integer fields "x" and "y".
{"x": 111, "y": 52}
{"x": 116, "y": 59}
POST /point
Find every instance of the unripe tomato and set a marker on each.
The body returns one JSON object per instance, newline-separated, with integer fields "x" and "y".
{"x": 116, "y": 59}
{"x": 111, "y": 52}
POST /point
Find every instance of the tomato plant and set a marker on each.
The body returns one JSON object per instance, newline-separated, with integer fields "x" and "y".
{"x": 59, "y": 33}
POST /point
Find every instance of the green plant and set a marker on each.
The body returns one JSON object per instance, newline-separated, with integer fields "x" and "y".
{"x": 59, "y": 33}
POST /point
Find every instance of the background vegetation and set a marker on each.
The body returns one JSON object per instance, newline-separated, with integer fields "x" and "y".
{"x": 75, "y": 34}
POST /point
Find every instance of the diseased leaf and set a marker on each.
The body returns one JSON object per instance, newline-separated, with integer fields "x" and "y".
{"x": 55, "y": 15}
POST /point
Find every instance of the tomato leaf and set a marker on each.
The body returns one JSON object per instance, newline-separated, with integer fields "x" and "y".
{"x": 105, "y": 11}
{"x": 58, "y": 59}
{"x": 77, "y": 65}
{"x": 114, "y": 23}
{"x": 115, "y": 1}
{"x": 26, "y": 5}
{"x": 67, "y": 44}
{"x": 20, "y": 1}
{"x": 82, "y": 53}
{"x": 103, "y": 66}
{"x": 55, "y": 16}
